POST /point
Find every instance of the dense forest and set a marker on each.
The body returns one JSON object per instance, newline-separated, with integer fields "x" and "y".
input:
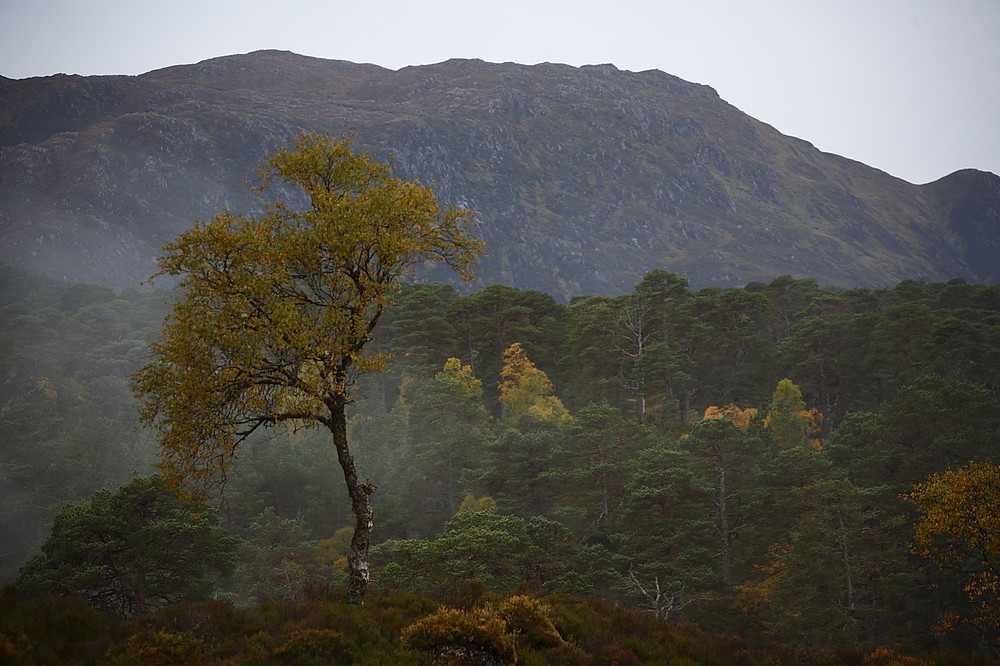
{"x": 799, "y": 466}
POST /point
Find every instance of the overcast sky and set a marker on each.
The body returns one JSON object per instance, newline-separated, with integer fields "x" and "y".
{"x": 908, "y": 86}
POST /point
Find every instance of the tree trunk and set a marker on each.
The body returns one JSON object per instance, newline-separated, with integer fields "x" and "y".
{"x": 450, "y": 482}
{"x": 722, "y": 527}
{"x": 360, "y": 493}
{"x": 686, "y": 409}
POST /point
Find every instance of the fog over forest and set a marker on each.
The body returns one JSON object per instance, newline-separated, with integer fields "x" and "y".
{"x": 764, "y": 461}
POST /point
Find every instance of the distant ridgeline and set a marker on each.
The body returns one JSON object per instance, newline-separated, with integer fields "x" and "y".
{"x": 584, "y": 179}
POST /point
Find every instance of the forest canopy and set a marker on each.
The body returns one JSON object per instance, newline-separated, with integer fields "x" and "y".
{"x": 766, "y": 460}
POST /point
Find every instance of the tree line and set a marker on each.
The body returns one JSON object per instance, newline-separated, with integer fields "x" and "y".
{"x": 759, "y": 457}
{"x": 740, "y": 455}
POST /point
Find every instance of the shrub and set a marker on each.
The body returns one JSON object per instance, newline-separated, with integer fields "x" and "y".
{"x": 50, "y": 630}
{"x": 884, "y": 657}
{"x": 314, "y": 646}
{"x": 14, "y": 647}
{"x": 224, "y": 629}
{"x": 160, "y": 648}
{"x": 566, "y": 654}
{"x": 528, "y": 619}
{"x": 451, "y": 635}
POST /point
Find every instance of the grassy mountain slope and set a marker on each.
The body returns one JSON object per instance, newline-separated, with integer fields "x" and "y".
{"x": 585, "y": 178}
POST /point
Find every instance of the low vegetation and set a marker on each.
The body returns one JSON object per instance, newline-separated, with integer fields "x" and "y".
{"x": 394, "y": 628}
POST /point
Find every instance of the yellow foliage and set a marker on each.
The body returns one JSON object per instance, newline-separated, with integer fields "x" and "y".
{"x": 314, "y": 646}
{"x": 473, "y": 503}
{"x": 406, "y": 386}
{"x": 528, "y": 619}
{"x": 454, "y": 371}
{"x": 463, "y": 377}
{"x": 162, "y": 648}
{"x": 548, "y": 408}
{"x": 527, "y": 390}
{"x": 473, "y": 635}
{"x": 276, "y": 311}
{"x": 788, "y": 420}
{"x": 15, "y": 648}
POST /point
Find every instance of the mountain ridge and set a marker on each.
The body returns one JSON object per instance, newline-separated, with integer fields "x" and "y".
{"x": 585, "y": 178}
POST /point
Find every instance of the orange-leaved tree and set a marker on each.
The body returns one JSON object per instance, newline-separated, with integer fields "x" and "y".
{"x": 741, "y": 418}
{"x": 959, "y": 530}
{"x": 275, "y": 312}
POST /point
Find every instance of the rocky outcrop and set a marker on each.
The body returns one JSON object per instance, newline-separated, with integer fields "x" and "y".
{"x": 584, "y": 178}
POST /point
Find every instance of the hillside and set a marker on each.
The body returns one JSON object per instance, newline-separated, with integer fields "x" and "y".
{"x": 585, "y": 178}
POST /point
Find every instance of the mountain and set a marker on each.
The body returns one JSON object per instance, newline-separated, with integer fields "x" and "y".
{"x": 584, "y": 178}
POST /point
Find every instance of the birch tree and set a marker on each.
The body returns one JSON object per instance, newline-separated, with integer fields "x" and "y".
{"x": 275, "y": 312}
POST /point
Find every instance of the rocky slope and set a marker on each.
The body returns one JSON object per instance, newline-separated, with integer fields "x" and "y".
{"x": 584, "y": 178}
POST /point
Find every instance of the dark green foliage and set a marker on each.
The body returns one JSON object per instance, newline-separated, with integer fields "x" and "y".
{"x": 592, "y": 466}
{"x": 447, "y": 431}
{"x": 500, "y": 552}
{"x": 66, "y": 412}
{"x": 489, "y": 321}
{"x": 131, "y": 551}
{"x": 592, "y": 372}
{"x": 513, "y": 466}
{"x": 725, "y": 456}
{"x": 557, "y": 560}
{"x": 623, "y": 501}
{"x": 421, "y": 332}
{"x": 827, "y": 354}
{"x": 288, "y": 472}
{"x": 479, "y": 545}
{"x": 667, "y": 531}
{"x": 277, "y": 561}
{"x": 831, "y": 580}
{"x": 929, "y": 425}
